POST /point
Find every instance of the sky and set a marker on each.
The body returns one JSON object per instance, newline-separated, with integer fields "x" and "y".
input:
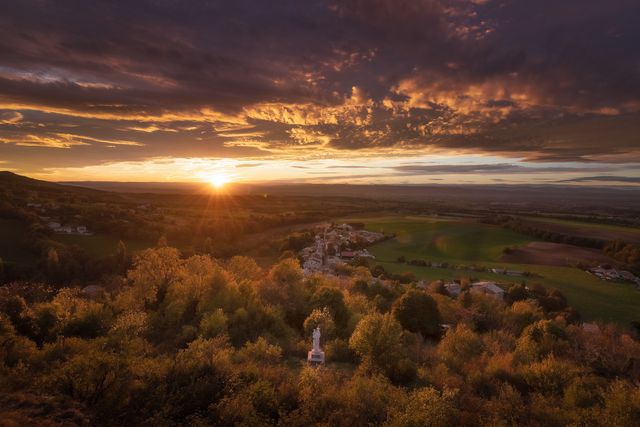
{"x": 360, "y": 91}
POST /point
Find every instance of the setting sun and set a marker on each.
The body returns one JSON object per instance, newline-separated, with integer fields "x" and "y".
{"x": 218, "y": 180}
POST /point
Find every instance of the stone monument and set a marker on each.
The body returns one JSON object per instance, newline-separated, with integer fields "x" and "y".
{"x": 316, "y": 356}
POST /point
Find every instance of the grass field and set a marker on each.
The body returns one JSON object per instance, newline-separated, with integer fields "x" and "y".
{"x": 590, "y": 229}
{"x": 442, "y": 239}
{"x": 586, "y": 224}
{"x": 467, "y": 242}
{"x": 99, "y": 245}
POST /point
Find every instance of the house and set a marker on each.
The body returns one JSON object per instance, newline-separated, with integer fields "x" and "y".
{"x": 488, "y": 288}
{"x": 82, "y": 229}
{"x": 453, "y": 289}
{"x": 514, "y": 273}
{"x": 366, "y": 254}
{"x": 347, "y": 254}
{"x": 627, "y": 275}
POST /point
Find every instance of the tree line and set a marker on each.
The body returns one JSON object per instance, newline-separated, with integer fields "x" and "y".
{"x": 195, "y": 340}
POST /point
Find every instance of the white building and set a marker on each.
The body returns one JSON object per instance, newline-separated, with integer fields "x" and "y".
{"x": 488, "y": 288}
{"x": 453, "y": 288}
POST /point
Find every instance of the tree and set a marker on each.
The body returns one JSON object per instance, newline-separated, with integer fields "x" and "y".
{"x": 153, "y": 271}
{"x": 53, "y": 260}
{"x": 437, "y": 287}
{"x": 213, "y": 324}
{"x": 333, "y": 300}
{"x": 121, "y": 253}
{"x": 458, "y": 346}
{"x": 322, "y": 319}
{"x": 418, "y": 312}
{"x": 427, "y": 407}
{"x": 516, "y": 293}
{"x": 243, "y": 268}
{"x": 541, "y": 339}
{"x": 162, "y": 242}
{"x": 283, "y": 287}
{"x": 377, "y": 339}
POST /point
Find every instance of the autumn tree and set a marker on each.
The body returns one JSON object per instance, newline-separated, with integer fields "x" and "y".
{"x": 152, "y": 273}
{"x": 283, "y": 287}
{"x": 331, "y": 299}
{"x": 377, "y": 339}
{"x": 320, "y": 319}
{"x": 418, "y": 312}
{"x": 121, "y": 253}
{"x": 428, "y": 407}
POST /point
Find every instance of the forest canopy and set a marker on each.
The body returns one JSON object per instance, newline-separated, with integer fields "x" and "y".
{"x": 204, "y": 341}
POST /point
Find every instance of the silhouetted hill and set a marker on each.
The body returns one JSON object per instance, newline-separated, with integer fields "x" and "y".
{"x": 13, "y": 181}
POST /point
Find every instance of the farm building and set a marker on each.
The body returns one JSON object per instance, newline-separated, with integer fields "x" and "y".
{"x": 453, "y": 288}
{"x": 488, "y": 288}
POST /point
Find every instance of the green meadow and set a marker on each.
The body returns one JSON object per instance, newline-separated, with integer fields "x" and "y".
{"x": 465, "y": 242}
{"x": 99, "y": 245}
{"x": 587, "y": 225}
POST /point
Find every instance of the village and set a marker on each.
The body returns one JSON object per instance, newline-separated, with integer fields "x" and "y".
{"x": 335, "y": 245}
{"x": 56, "y": 225}
{"x": 611, "y": 274}
{"x": 339, "y": 244}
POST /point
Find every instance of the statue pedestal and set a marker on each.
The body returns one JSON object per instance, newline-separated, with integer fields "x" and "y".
{"x": 315, "y": 356}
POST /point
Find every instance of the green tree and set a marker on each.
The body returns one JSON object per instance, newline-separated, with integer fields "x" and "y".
{"x": 418, "y": 312}
{"x": 377, "y": 339}
{"x": 333, "y": 300}
{"x": 458, "y": 346}
{"x": 427, "y": 407}
{"x": 243, "y": 269}
{"x": 213, "y": 324}
{"x": 322, "y": 319}
{"x": 541, "y": 339}
{"x": 283, "y": 287}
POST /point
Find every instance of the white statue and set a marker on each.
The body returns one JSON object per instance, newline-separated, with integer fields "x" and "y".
{"x": 316, "y": 356}
{"x": 316, "y": 339}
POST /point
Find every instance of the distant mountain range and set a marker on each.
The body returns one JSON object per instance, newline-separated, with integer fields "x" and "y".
{"x": 538, "y": 197}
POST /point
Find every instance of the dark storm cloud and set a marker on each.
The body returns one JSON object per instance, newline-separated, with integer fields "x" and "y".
{"x": 606, "y": 178}
{"x": 111, "y": 81}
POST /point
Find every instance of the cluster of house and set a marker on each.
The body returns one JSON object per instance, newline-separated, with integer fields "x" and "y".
{"x": 607, "y": 273}
{"x": 337, "y": 244}
{"x": 80, "y": 230}
{"x": 53, "y": 224}
{"x": 485, "y": 287}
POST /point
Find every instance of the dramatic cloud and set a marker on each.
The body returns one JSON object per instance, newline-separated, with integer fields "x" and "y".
{"x": 88, "y": 83}
{"x": 606, "y": 178}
